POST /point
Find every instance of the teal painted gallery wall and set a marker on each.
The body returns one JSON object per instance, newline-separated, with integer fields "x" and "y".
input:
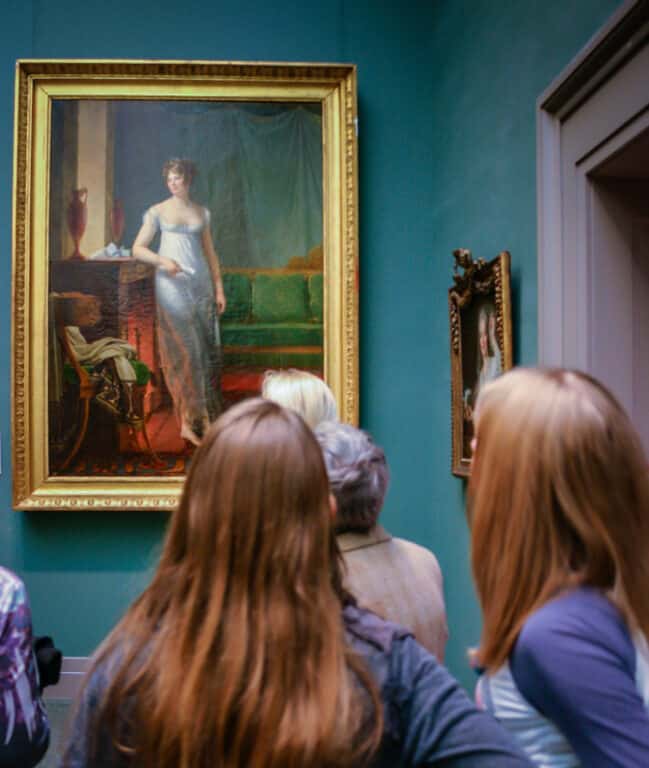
{"x": 491, "y": 60}
{"x": 447, "y": 92}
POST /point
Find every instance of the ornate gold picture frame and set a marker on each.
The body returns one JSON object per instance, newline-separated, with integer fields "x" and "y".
{"x": 270, "y": 153}
{"x": 481, "y": 341}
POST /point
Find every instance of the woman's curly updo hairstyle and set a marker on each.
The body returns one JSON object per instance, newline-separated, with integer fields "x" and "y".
{"x": 182, "y": 166}
{"x": 358, "y": 475}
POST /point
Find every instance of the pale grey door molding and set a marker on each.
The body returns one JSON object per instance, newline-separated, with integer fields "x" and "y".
{"x": 596, "y": 105}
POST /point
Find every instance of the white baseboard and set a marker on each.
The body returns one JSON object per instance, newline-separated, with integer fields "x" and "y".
{"x": 72, "y": 671}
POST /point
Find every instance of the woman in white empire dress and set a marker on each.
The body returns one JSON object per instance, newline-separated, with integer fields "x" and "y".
{"x": 489, "y": 366}
{"x": 189, "y": 300}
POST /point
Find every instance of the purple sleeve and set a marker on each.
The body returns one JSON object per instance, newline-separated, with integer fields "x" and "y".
{"x": 575, "y": 663}
{"x": 24, "y": 728}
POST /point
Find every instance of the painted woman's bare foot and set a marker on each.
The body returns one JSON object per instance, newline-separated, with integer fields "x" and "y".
{"x": 187, "y": 433}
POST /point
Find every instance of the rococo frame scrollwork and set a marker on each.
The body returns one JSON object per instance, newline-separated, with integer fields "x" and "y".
{"x": 328, "y": 90}
{"x": 481, "y": 341}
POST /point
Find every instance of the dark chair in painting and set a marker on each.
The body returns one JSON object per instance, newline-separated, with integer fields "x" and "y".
{"x": 76, "y": 384}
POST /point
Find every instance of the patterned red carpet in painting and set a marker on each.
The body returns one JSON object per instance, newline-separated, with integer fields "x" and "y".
{"x": 171, "y": 454}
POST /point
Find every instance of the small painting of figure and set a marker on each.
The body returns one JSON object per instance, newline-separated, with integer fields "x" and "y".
{"x": 488, "y": 358}
{"x": 481, "y": 342}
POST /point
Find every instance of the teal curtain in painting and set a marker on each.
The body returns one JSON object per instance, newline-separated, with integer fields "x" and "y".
{"x": 259, "y": 172}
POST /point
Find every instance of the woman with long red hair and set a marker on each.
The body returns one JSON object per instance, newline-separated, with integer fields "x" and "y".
{"x": 245, "y": 652}
{"x": 559, "y": 511}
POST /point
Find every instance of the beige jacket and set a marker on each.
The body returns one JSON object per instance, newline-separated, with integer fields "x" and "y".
{"x": 398, "y": 580}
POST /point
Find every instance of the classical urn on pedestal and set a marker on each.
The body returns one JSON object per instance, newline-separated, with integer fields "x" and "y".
{"x": 77, "y": 219}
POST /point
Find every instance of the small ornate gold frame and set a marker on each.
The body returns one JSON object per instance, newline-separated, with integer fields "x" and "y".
{"x": 38, "y": 82}
{"x": 478, "y": 280}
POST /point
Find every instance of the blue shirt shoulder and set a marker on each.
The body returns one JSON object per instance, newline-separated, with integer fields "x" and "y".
{"x": 575, "y": 662}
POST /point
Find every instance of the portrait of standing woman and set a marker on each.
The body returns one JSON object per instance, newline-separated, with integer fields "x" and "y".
{"x": 189, "y": 300}
{"x": 488, "y": 363}
{"x": 489, "y": 366}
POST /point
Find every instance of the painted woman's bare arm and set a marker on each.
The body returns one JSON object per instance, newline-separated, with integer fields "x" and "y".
{"x": 142, "y": 252}
{"x": 215, "y": 269}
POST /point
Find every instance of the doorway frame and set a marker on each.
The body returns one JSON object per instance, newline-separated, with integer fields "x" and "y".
{"x": 564, "y": 190}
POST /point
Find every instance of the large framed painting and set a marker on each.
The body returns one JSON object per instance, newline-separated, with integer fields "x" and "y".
{"x": 180, "y": 228}
{"x": 481, "y": 341}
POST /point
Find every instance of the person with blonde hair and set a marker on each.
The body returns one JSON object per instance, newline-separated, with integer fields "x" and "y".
{"x": 245, "y": 650}
{"x": 559, "y": 513}
{"x": 302, "y": 392}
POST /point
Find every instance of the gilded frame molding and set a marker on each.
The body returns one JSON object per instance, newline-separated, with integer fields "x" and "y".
{"x": 475, "y": 282}
{"x": 40, "y": 81}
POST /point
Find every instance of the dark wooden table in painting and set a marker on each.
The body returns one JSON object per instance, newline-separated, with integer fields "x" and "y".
{"x": 124, "y": 288}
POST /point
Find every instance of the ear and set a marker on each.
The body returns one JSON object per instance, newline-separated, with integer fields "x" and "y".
{"x": 333, "y": 506}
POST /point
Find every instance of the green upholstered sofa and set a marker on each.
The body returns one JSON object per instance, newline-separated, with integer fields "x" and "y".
{"x": 274, "y": 319}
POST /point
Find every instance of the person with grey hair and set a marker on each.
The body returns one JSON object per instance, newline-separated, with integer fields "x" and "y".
{"x": 395, "y": 578}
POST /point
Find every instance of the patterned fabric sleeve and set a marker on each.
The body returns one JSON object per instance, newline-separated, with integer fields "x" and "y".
{"x": 24, "y": 728}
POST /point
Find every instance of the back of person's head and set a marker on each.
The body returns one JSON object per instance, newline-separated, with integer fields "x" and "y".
{"x": 558, "y": 497}
{"x": 358, "y": 475}
{"x": 303, "y": 393}
{"x": 235, "y": 654}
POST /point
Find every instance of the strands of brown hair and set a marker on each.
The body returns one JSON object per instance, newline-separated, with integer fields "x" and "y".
{"x": 558, "y": 497}
{"x": 235, "y": 654}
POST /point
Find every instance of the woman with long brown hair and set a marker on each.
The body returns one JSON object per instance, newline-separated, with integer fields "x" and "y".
{"x": 559, "y": 511}
{"x": 244, "y": 652}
